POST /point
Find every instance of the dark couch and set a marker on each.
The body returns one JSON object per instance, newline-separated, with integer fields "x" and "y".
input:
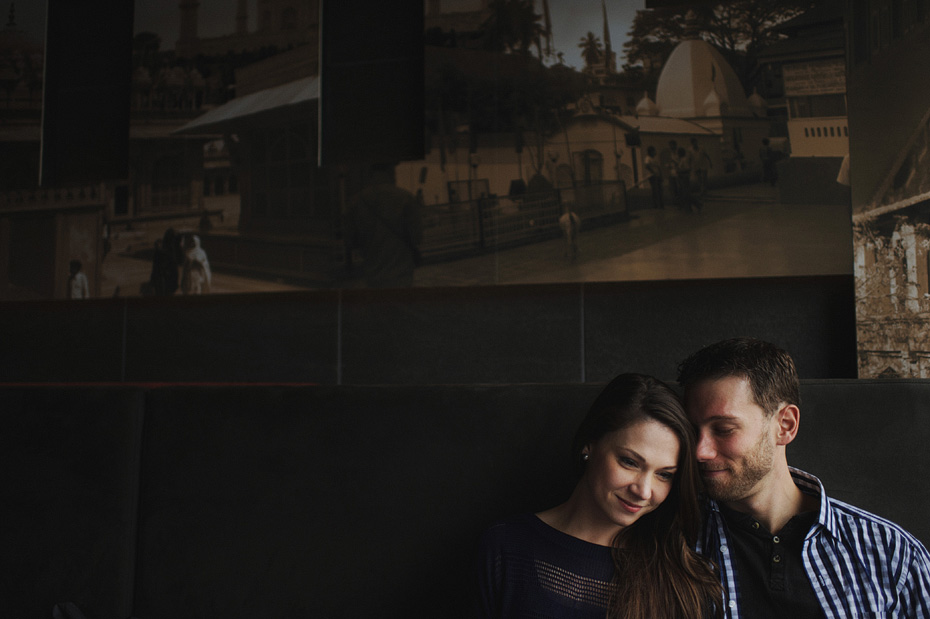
{"x": 279, "y": 501}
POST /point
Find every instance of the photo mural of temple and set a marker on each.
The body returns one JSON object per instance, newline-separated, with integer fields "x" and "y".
{"x": 516, "y": 137}
{"x": 223, "y": 145}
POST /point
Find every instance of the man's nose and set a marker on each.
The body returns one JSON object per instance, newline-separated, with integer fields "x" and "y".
{"x": 705, "y": 447}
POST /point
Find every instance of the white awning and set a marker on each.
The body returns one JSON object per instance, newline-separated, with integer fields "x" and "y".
{"x": 221, "y": 119}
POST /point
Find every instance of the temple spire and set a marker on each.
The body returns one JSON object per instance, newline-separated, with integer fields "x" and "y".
{"x": 242, "y": 17}
{"x": 606, "y": 31}
{"x": 548, "y": 25}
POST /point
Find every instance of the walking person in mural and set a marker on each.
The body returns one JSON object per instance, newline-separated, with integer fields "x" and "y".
{"x": 701, "y": 165}
{"x": 768, "y": 156}
{"x": 654, "y": 168}
{"x": 668, "y": 159}
{"x": 570, "y": 224}
{"x": 686, "y": 198}
{"x": 196, "y": 278}
{"x": 163, "y": 281}
{"x": 78, "y": 287}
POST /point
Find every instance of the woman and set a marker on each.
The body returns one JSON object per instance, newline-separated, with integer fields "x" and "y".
{"x": 621, "y": 545}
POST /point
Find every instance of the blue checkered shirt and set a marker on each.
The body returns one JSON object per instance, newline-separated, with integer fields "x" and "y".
{"x": 859, "y": 564}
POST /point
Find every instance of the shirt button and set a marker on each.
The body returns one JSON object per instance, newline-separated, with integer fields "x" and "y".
{"x": 776, "y": 559}
{"x": 755, "y": 525}
{"x": 775, "y": 539}
{"x": 723, "y": 548}
{"x": 732, "y": 604}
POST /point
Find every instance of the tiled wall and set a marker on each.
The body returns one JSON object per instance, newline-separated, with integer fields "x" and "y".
{"x": 564, "y": 333}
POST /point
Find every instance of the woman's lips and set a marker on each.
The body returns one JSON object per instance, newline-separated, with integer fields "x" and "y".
{"x": 630, "y": 507}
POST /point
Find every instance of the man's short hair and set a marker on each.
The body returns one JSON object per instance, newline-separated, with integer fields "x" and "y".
{"x": 770, "y": 370}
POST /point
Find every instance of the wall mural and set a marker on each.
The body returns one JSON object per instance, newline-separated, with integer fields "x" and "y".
{"x": 565, "y": 141}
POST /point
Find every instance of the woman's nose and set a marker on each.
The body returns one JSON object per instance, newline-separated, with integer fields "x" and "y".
{"x": 642, "y": 487}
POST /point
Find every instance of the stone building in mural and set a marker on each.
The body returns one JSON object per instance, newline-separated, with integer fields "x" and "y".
{"x": 889, "y": 170}
{"x": 892, "y": 265}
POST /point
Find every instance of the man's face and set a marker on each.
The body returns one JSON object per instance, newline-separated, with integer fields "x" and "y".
{"x": 736, "y": 440}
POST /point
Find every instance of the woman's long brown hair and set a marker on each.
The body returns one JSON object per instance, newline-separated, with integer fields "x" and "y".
{"x": 657, "y": 574}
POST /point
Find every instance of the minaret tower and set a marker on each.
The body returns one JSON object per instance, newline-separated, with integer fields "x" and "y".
{"x": 242, "y": 17}
{"x": 547, "y": 24}
{"x": 188, "y": 41}
{"x": 610, "y": 59}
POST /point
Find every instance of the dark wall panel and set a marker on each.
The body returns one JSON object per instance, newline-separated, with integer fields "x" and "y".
{"x": 559, "y": 333}
{"x": 651, "y": 327}
{"x": 339, "y": 502}
{"x": 70, "y": 462}
{"x": 250, "y": 338}
{"x": 61, "y": 341}
{"x": 526, "y": 334}
{"x": 867, "y": 441}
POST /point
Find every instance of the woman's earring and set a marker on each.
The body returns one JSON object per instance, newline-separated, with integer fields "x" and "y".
{"x": 584, "y": 457}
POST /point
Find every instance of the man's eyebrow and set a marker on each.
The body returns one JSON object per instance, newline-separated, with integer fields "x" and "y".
{"x": 721, "y": 418}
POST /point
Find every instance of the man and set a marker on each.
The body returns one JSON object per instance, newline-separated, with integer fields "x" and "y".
{"x": 570, "y": 224}
{"x": 654, "y": 168}
{"x": 701, "y": 164}
{"x": 668, "y": 159}
{"x": 784, "y": 549}
{"x": 768, "y": 157}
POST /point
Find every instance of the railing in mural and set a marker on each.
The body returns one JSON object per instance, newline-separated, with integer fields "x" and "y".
{"x": 177, "y": 197}
{"x": 488, "y": 224}
{"x": 53, "y": 198}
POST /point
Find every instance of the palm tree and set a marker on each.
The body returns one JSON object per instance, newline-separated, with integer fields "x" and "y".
{"x": 591, "y": 49}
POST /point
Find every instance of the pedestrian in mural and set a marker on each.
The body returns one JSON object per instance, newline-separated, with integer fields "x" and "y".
{"x": 686, "y": 198}
{"x": 570, "y": 224}
{"x": 78, "y": 287}
{"x": 197, "y": 277}
{"x": 163, "y": 281}
{"x": 384, "y": 222}
{"x": 768, "y": 156}
{"x": 701, "y": 164}
{"x": 668, "y": 159}
{"x": 654, "y": 168}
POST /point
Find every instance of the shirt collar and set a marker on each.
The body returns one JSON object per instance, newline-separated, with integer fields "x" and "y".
{"x": 826, "y": 520}
{"x": 809, "y": 483}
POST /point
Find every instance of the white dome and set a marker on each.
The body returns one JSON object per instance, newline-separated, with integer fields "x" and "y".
{"x": 713, "y": 106}
{"x": 696, "y": 74}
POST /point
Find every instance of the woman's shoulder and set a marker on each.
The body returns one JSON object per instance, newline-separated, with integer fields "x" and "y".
{"x": 516, "y": 524}
{"x": 524, "y": 533}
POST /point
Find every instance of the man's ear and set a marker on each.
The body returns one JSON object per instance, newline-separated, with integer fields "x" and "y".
{"x": 787, "y": 420}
